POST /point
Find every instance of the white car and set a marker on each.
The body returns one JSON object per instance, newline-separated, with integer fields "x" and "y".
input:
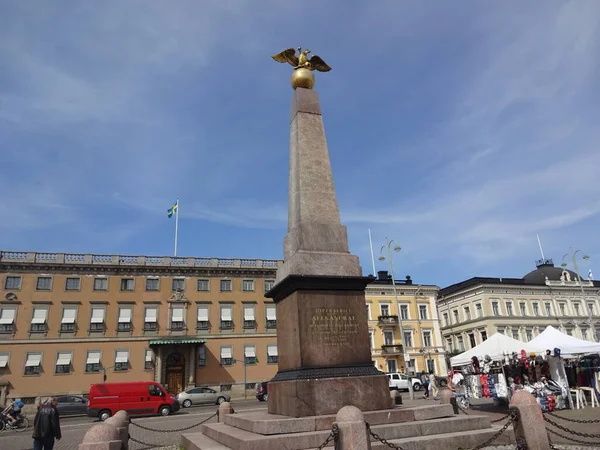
{"x": 399, "y": 381}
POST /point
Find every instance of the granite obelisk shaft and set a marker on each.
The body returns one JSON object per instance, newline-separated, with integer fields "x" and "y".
{"x": 316, "y": 242}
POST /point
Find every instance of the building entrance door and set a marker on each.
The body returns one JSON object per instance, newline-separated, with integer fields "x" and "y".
{"x": 175, "y": 372}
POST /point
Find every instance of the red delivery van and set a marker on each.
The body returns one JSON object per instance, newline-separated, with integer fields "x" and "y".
{"x": 137, "y": 398}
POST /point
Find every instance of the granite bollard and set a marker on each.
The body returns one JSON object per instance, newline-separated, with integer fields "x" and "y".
{"x": 530, "y": 427}
{"x": 225, "y": 409}
{"x": 353, "y": 434}
{"x": 121, "y": 422}
{"x": 396, "y": 397}
{"x": 101, "y": 437}
{"x": 447, "y": 397}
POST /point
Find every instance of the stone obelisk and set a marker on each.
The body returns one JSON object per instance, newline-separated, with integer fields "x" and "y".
{"x": 322, "y": 332}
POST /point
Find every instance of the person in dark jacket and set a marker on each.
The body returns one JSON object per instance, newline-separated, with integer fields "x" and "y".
{"x": 46, "y": 426}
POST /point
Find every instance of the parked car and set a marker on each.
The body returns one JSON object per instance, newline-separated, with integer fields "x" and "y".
{"x": 399, "y": 381}
{"x": 201, "y": 396}
{"x": 137, "y": 398}
{"x": 71, "y": 404}
{"x": 261, "y": 392}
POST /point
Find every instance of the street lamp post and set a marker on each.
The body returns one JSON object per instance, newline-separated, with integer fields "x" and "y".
{"x": 388, "y": 246}
{"x": 245, "y": 377}
{"x": 573, "y": 255}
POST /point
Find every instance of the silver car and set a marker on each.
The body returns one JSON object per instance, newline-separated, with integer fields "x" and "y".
{"x": 201, "y": 395}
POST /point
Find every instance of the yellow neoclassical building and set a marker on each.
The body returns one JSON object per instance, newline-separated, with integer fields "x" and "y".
{"x": 406, "y": 318}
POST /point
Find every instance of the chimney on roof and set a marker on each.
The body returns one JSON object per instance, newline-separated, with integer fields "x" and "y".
{"x": 382, "y": 275}
{"x": 408, "y": 280}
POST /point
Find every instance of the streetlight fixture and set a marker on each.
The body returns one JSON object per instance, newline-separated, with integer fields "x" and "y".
{"x": 396, "y": 248}
{"x": 573, "y": 255}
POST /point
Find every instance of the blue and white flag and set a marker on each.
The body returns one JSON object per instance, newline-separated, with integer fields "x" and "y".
{"x": 590, "y": 275}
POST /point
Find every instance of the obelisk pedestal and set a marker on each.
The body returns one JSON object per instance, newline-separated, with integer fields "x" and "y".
{"x": 323, "y": 343}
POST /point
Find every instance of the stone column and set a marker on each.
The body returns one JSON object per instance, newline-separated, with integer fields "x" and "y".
{"x": 158, "y": 366}
{"x": 192, "y": 367}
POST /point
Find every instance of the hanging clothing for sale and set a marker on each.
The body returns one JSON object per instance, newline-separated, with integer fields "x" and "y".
{"x": 501, "y": 386}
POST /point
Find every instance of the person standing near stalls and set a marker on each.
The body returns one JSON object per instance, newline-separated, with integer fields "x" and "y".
{"x": 433, "y": 386}
{"x": 425, "y": 382}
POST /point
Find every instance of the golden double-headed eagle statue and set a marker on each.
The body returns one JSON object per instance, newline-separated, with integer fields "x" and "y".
{"x": 303, "y": 66}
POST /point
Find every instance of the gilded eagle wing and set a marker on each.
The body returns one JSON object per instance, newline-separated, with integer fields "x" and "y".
{"x": 317, "y": 63}
{"x": 287, "y": 56}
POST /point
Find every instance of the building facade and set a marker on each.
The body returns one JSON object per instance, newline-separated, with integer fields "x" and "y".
{"x": 408, "y": 318}
{"x": 70, "y": 320}
{"x": 522, "y": 308}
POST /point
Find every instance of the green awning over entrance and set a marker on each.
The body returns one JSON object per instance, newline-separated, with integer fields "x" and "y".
{"x": 177, "y": 340}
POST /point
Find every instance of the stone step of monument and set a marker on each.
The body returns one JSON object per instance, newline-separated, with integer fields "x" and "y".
{"x": 199, "y": 441}
{"x": 458, "y": 439}
{"x": 270, "y": 424}
{"x": 239, "y": 439}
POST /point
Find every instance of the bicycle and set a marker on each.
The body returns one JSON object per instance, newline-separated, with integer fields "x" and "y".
{"x": 6, "y": 424}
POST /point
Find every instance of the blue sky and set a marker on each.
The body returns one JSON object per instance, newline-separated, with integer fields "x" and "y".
{"x": 460, "y": 129}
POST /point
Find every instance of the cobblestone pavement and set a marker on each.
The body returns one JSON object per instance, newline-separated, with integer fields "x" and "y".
{"x": 74, "y": 429}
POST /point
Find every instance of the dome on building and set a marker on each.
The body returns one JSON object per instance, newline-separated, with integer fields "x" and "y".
{"x": 545, "y": 268}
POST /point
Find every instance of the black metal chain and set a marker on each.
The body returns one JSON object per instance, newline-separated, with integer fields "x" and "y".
{"x": 145, "y": 443}
{"x": 380, "y": 439}
{"x": 333, "y": 436}
{"x": 572, "y": 420}
{"x": 578, "y": 441}
{"x": 577, "y": 433}
{"x": 514, "y": 415}
{"x": 501, "y": 418}
{"x": 171, "y": 431}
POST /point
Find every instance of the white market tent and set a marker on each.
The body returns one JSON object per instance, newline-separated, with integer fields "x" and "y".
{"x": 496, "y": 346}
{"x": 569, "y": 346}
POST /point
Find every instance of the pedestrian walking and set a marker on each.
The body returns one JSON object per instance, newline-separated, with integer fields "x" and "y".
{"x": 46, "y": 426}
{"x": 433, "y": 385}
{"x": 425, "y": 383}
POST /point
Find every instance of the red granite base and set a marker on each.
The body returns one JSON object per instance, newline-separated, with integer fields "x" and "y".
{"x": 302, "y": 398}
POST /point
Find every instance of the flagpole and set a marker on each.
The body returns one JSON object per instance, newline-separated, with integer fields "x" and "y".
{"x": 372, "y": 257}
{"x": 176, "y": 224}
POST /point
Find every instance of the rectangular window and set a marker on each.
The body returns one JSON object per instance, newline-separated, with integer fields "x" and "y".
{"x": 63, "y": 362}
{"x": 152, "y": 284}
{"x": 515, "y": 334}
{"x": 203, "y": 322}
{"x": 385, "y": 310}
{"x": 548, "y": 309}
{"x": 69, "y": 316}
{"x": 250, "y": 354}
{"x": 97, "y": 320}
{"x": 391, "y": 366}
{"x": 101, "y": 284}
{"x": 149, "y": 361}
{"x": 203, "y": 285}
{"x": 569, "y": 331}
{"x": 479, "y": 310}
{"x": 271, "y": 317}
{"x": 576, "y": 306}
{"x": 495, "y": 309}
{"x": 591, "y": 308}
{"x": 584, "y": 335}
{"x": 272, "y": 353}
{"x": 44, "y": 283}
{"x": 72, "y": 284}
{"x": 427, "y": 339}
{"x": 461, "y": 344}
{"x": 500, "y": 330}
{"x": 7, "y": 319}
{"x": 202, "y": 356}
{"x": 455, "y": 313}
{"x": 121, "y": 361}
{"x": 226, "y": 356}
{"x": 12, "y": 283}
{"x": 269, "y": 285}
{"x": 127, "y": 284}
{"x": 4, "y": 360}
{"x": 388, "y": 338}
{"x": 483, "y": 336}
{"x": 248, "y": 285}
{"x": 509, "y": 308}
{"x": 423, "y": 312}
{"x": 408, "y": 342}
{"x": 529, "y": 335}
{"x": 472, "y": 340}
{"x": 178, "y": 284}
{"x": 445, "y": 319}
{"x": 536, "y": 309}
{"x": 39, "y": 319}
{"x": 368, "y": 307}
{"x": 449, "y": 345}
{"x": 226, "y": 286}
{"x": 523, "y": 309}
{"x": 33, "y": 363}
{"x": 92, "y": 362}
{"x": 371, "y": 340}
{"x": 151, "y": 318}
{"x": 226, "y": 318}
{"x": 177, "y": 322}
{"x": 249, "y": 319}
{"x": 467, "y": 313}
{"x": 124, "y": 322}
{"x": 404, "y": 312}
{"x": 561, "y": 307}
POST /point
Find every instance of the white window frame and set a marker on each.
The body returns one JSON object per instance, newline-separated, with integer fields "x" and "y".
{"x": 33, "y": 359}
{"x": 198, "y": 280}
{"x": 421, "y": 308}
{"x": 404, "y": 307}
{"x": 94, "y": 284}
{"x": 249, "y": 313}
{"x": 226, "y": 355}
{"x": 430, "y": 334}
{"x": 152, "y": 317}
{"x": 63, "y": 358}
{"x": 178, "y": 279}
{"x": 272, "y": 354}
{"x": 412, "y": 340}
{"x": 94, "y": 358}
{"x": 248, "y": 285}
{"x": 478, "y": 310}
{"x": 386, "y": 306}
{"x": 202, "y": 317}
{"x": 388, "y": 333}
{"x": 225, "y": 282}
{"x": 177, "y": 317}
{"x": 250, "y": 354}
{"x": 122, "y": 356}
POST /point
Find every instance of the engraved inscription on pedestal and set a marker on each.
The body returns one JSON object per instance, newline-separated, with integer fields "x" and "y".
{"x": 334, "y": 327}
